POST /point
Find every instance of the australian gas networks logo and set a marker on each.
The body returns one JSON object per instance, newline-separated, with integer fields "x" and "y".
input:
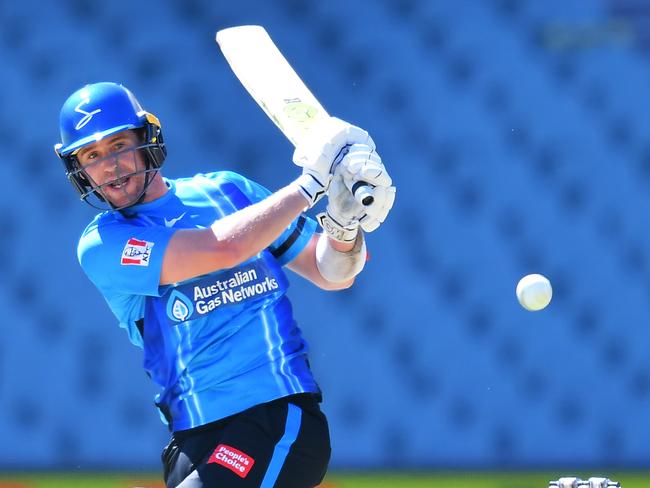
{"x": 191, "y": 301}
{"x": 179, "y": 307}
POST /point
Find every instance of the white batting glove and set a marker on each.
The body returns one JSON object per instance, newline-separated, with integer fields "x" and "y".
{"x": 362, "y": 163}
{"x": 320, "y": 153}
{"x": 344, "y": 214}
{"x": 340, "y": 221}
{"x": 376, "y": 213}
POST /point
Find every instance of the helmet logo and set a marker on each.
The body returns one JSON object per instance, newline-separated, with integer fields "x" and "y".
{"x": 86, "y": 115}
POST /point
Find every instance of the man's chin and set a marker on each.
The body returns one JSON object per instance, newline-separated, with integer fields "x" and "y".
{"x": 125, "y": 196}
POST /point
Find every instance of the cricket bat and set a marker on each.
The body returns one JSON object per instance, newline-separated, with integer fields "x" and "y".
{"x": 276, "y": 87}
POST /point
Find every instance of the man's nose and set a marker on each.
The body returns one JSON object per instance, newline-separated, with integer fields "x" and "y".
{"x": 110, "y": 165}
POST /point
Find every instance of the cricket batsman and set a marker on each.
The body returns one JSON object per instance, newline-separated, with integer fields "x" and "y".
{"x": 194, "y": 270}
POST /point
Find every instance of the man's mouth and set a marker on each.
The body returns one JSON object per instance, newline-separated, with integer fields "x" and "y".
{"x": 117, "y": 184}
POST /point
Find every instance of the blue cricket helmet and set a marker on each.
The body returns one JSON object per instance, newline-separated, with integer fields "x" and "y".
{"x": 99, "y": 110}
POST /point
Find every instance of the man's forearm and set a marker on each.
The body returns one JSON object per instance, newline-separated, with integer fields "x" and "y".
{"x": 232, "y": 239}
{"x": 254, "y": 228}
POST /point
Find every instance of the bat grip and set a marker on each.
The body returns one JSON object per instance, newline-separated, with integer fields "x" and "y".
{"x": 361, "y": 190}
{"x": 363, "y": 193}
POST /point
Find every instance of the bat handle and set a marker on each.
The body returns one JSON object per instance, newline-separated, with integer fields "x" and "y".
{"x": 363, "y": 193}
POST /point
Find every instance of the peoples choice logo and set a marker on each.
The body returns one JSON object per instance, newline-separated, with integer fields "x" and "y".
{"x": 236, "y": 461}
{"x": 86, "y": 115}
{"x": 136, "y": 253}
{"x": 179, "y": 307}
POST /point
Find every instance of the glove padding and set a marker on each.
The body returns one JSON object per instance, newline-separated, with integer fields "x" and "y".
{"x": 344, "y": 214}
{"x": 322, "y": 151}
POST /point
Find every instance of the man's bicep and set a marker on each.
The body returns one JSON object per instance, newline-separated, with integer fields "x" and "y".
{"x": 194, "y": 252}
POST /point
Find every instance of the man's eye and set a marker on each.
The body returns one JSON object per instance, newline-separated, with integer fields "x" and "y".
{"x": 91, "y": 155}
{"x": 119, "y": 146}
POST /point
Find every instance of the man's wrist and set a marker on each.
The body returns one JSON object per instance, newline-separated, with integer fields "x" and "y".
{"x": 337, "y": 231}
{"x": 311, "y": 187}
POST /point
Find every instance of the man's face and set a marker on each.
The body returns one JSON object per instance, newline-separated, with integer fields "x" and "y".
{"x": 112, "y": 166}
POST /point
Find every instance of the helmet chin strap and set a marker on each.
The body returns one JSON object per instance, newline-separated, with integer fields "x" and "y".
{"x": 149, "y": 176}
{"x": 148, "y": 179}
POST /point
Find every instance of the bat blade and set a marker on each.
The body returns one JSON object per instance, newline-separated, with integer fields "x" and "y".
{"x": 276, "y": 87}
{"x": 270, "y": 80}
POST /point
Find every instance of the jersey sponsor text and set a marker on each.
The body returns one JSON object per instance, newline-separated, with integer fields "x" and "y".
{"x": 239, "y": 278}
{"x": 231, "y": 287}
{"x": 235, "y": 296}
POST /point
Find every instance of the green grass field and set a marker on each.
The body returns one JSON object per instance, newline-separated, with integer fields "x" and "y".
{"x": 347, "y": 480}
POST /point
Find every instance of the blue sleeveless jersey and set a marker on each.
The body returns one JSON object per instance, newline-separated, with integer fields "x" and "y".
{"x": 216, "y": 344}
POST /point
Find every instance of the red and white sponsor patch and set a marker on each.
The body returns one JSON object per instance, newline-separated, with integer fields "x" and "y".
{"x": 136, "y": 252}
{"x": 233, "y": 459}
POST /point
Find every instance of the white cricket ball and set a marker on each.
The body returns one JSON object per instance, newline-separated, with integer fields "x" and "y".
{"x": 534, "y": 292}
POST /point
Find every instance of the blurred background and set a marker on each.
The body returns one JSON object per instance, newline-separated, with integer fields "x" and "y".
{"x": 517, "y": 135}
